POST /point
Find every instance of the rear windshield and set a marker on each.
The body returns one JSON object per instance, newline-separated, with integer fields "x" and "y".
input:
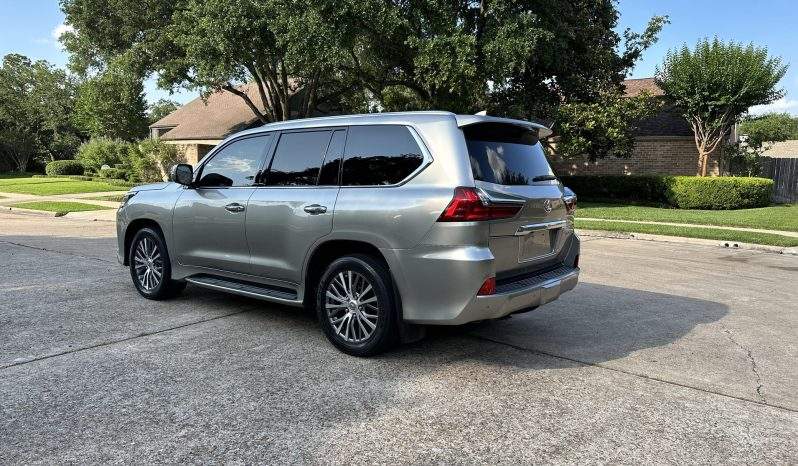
{"x": 506, "y": 154}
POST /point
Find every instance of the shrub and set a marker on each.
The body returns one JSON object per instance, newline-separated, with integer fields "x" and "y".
{"x": 684, "y": 192}
{"x": 64, "y": 167}
{"x": 114, "y": 173}
{"x": 151, "y": 159}
{"x": 621, "y": 187}
{"x": 103, "y": 151}
{"x": 693, "y": 192}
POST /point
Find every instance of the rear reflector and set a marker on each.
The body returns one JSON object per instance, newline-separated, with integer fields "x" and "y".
{"x": 467, "y": 206}
{"x": 487, "y": 288}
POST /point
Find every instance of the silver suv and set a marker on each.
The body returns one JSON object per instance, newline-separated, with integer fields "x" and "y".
{"x": 378, "y": 222}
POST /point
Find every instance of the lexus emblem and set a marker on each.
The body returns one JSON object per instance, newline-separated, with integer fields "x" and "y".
{"x": 547, "y": 205}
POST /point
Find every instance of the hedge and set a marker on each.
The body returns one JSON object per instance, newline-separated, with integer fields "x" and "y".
{"x": 113, "y": 173}
{"x": 64, "y": 167}
{"x": 684, "y": 192}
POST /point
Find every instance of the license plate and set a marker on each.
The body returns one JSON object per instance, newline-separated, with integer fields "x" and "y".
{"x": 537, "y": 244}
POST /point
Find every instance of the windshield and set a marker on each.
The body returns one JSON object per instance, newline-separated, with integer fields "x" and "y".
{"x": 506, "y": 154}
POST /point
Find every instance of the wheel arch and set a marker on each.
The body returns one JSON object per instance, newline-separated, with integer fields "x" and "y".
{"x": 133, "y": 228}
{"x": 326, "y": 252}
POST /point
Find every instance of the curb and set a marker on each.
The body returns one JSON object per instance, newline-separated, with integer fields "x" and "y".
{"x": 86, "y": 215}
{"x": 683, "y": 240}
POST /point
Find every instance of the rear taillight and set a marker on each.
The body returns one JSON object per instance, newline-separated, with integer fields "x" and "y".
{"x": 487, "y": 288}
{"x": 467, "y": 206}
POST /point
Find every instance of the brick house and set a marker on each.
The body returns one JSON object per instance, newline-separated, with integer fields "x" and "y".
{"x": 200, "y": 125}
{"x": 664, "y": 145}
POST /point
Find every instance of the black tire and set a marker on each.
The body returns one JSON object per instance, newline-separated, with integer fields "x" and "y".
{"x": 149, "y": 243}
{"x": 385, "y": 332}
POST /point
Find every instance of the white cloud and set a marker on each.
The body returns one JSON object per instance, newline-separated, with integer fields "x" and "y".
{"x": 59, "y": 31}
{"x": 780, "y": 106}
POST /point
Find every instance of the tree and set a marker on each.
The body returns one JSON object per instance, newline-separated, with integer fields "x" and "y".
{"x": 36, "y": 105}
{"x": 520, "y": 58}
{"x": 771, "y": 127}
{"x": 288, "y": 49}
{"x": 112, "y": 105}
{"x": 715, "y": 84}
{"x": 160, "y": 109}
{"x": 757, "y": 133}
{"x": 603, "y": 128}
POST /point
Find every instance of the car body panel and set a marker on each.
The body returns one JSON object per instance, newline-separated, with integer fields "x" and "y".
{"x": 437, "y": 267}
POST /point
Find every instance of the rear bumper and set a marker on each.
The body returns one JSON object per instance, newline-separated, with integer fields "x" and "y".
{"x": 438, "y": 285}
{"x": 537, "y": 291}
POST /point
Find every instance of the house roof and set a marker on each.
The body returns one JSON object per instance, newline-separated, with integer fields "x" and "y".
{"x": 782, "y": 149}
{"x": 635, "y": 87}
{"x": 221, "y": 114}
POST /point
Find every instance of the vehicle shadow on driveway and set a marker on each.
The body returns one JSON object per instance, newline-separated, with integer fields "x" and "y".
{"x": 594, "y": 323}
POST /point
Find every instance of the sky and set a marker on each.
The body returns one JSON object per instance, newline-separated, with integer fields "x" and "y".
{"x": 31, "y": 27}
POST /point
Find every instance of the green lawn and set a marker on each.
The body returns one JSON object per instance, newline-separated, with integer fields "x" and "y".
{"x": 53, "y": 186}
{"x": 783, "y": 217}
{"x": 113, "y": 198}
{"x": 60, "y": 208}
{"x": 689, "y": 232}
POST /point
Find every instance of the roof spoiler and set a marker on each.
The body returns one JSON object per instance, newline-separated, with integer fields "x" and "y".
{"x": 465, "y": 120}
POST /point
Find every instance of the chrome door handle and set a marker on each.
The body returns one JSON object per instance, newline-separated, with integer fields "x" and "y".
{"x": 234, "y": 207}
{"x": 315, "y": 209}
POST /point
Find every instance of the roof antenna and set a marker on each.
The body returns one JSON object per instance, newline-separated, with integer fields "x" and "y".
{"x": 482, "y": 113}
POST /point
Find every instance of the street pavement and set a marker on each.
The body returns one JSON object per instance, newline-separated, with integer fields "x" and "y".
{"x": 663, "y": 353}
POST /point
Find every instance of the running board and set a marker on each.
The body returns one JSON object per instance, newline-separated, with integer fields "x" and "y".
{"x": 245, "y": 288}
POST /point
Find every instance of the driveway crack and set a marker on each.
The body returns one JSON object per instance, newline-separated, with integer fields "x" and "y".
{"x": 57, "y": 252}
{"x": 754, "y": 367}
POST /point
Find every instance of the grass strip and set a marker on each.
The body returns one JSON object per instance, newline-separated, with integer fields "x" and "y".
{"x": 59, "y": 207}
{"x": 780, "y": 217}
{"x": 690, "y": 232}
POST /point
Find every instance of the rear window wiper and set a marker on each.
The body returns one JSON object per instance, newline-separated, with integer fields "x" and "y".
{"x": 543, "y": 178}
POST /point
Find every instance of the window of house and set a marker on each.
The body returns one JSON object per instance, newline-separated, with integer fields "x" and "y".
{"x": 379, "y": 155}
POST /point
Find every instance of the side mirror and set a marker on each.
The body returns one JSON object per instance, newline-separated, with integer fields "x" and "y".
{"x": 182, "y": 173}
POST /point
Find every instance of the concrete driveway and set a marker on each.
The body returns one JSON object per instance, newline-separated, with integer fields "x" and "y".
{"x": 664, "y": 353}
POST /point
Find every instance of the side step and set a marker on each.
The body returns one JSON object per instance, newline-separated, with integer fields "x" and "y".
{"x": 245, "y": 288}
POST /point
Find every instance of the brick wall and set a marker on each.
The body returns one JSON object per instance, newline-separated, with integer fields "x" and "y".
{"x": 195, "y": 152}
{"x": 653, "y": 155}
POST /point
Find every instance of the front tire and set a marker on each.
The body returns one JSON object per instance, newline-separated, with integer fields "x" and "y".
{"x": 356, "y": 307}
{"x": 150, "y": 267}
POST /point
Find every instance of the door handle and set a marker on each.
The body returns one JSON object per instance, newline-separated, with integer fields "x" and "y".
{"x": 234, "y": 207}
{"x": 315, "y": 209}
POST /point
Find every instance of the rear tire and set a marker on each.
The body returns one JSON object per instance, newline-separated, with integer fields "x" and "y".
{"x": 150, "y": 267}
{"x": 356, "y": 306}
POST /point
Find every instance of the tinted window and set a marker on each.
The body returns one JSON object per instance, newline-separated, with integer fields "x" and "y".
{"x": 329, "y": 171}
{"x": 236, "y": 164}
{"x": 506, "y": 154}
{"x": 379, "y": 155}
{"x": 297, "y": 159}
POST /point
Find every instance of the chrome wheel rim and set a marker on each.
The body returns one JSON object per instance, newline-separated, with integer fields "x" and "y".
{"x": 148, "y": 263}
{"x": 352, "y": 306}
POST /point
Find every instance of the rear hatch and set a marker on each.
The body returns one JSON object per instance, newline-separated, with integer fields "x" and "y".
{"x": 509, "y": 166}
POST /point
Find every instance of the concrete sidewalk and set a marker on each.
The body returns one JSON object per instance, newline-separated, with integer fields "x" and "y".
{"x": 792, "y": 234}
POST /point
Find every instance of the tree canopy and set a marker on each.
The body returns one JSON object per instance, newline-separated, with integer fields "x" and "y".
{"x": 771, "y": 127}
{"x": 36, "y": 106}
{"x": 716, "y": 83}
{"x": 518, "y": 58}
{"x": 111, "y": 105}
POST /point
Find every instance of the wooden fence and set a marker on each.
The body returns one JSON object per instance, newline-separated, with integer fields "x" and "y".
{"x": 784, "y": 172}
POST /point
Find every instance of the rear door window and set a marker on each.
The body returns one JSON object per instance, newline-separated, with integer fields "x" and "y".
{"x": 380, "y": 155}
{"x": 297, "y": 158}
{"x": 506, "y": 154}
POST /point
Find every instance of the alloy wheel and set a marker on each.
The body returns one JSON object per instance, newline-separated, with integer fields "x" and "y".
{"x": 148, "y": 263}
{"x": 352, "y": 306}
